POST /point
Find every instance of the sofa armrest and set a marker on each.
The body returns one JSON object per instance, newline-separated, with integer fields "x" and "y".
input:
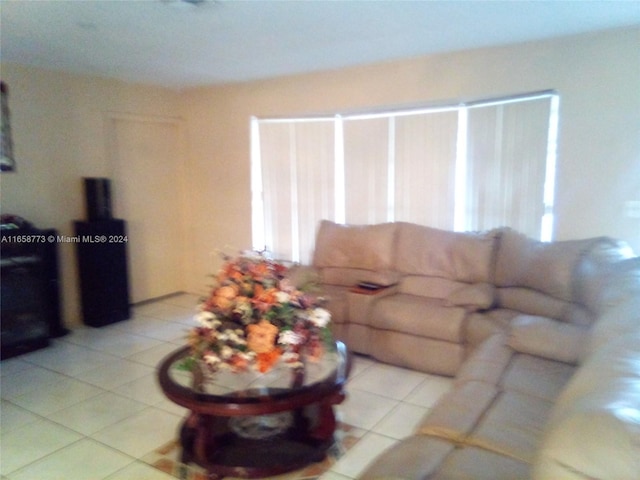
{"x": 594, "y": 429}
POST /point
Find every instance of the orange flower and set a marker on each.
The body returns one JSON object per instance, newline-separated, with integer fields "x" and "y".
{"x": 260, "y": 270}
{"x": 267, "y": 360}
{"x": 264, "y": 299}
{"x": 228, "y": 291}
{"x": 261, "y": 337}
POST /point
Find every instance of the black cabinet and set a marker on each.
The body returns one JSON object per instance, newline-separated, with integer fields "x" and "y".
{"x": 30, "y": 290}
{"x": 102, "y": 266}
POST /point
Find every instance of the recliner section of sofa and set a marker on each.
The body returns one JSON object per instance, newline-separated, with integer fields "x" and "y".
{"x": 449, "y": 291}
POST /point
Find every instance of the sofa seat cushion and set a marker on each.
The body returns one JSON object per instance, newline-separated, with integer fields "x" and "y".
{"x": 513, "y": 426}
{"x": 537, "y": 376}
{"x": 482, "y": 325}
{"x": 472, "y": 297}
{"x": 466, "y": 257}
{"x": 547, "y": 338}
{"x": 479, "y": 464}
{"x": 421, "y": 316}
{"x": 426, "y": 286}
{"x": 413, "y": 458}
{"x": 424, "y": 354}
{"x": 349, "y": 277}
{"x": 458, "y": 411}
{"x": 487, "y": 363}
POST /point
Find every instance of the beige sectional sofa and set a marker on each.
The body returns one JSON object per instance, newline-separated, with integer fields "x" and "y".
{"x": 543, "y": 340}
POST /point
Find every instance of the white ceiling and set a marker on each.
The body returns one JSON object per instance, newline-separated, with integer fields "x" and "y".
{"x": 177, "y": 44}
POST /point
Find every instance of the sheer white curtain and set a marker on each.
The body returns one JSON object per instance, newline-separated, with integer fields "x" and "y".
{"x": 506, "y": 165}
{"x": 296, "y": 185}
{"x": 425, "y": 159}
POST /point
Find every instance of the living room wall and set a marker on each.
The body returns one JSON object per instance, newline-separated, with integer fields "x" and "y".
{"x": 597, "y": 76}
{"x": 60, "y": 135}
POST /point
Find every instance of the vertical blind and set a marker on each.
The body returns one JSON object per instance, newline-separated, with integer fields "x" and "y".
{"x": 425, "y": 159}
{"x": 464, "y": 167}
{"x": 366, "y": 171}
{"x": 297, "y": 187}
{"x": 506, "y": 165}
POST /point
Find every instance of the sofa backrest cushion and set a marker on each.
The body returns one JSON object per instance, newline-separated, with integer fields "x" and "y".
{"x": 465, "y": 257}
{"x": 366, "y": 247}
{"x": 594, "y": 429}
{"x": 546, "y": 267}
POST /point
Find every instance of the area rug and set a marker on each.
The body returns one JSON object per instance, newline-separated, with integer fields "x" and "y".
{"x": 166, "y": 459}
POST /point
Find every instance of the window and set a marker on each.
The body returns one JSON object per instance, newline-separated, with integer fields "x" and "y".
{"x": 472, "y": 166}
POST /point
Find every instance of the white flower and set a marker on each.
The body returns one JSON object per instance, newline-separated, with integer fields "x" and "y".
{"x": 207, "y": 319}
{"x": 226, "y": 352}
{"x": 320, "y": 317}
{"x": 289, "y": 337}
{"x": 211, "y": 359}
{"x": 282, "y": 297}
{"x": 292, "y": 359}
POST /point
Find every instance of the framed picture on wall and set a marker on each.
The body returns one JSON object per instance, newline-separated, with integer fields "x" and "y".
{"x": 7, "y": 161}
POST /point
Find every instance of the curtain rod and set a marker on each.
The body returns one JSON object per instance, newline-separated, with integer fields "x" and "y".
{"x": 410, "y": 108}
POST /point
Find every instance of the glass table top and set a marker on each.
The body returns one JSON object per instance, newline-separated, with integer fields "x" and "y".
{"x": 282, "y": 380}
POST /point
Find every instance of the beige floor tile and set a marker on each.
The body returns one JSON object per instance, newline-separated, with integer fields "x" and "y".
{"x": 430, "y": 391}
{"x": 401, "y": 421}
{"x": 12, "y": 417}
{"x": 145, "y": 389}
{"x": 364, "y": 409}
{"x": 84, "y": 460}
{"x": 140, "y": 471}
{"x": 52, "y": 397}
{"x": 153, "y": 356}
{"x": 140, "y": 434}
{"x": 97, "y": 413}
{"x": 388, "y": 381}
{"x": 32, "y": 442}
{"x": 25, "y": 381}
{"x": 355, "y": 461}
{"x": 115, "y": 373}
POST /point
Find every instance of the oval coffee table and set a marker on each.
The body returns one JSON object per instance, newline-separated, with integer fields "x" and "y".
{"x": 255, "y": 425}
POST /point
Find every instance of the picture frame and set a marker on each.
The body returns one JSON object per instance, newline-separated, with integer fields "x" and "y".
{"x": 7, "y": 159}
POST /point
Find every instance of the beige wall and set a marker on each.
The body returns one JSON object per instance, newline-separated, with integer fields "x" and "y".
{"x": 59, "y": 128}
{"x": 596, "y": 75}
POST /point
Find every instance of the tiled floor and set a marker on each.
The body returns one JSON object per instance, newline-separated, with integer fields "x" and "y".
{"x": 89, "y": 407}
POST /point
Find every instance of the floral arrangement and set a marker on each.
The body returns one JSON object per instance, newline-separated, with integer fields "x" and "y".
{"x": 255, "y": 316}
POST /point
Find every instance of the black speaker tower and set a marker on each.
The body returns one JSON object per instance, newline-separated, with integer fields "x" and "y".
{"x": 97, "y": 192}
{"x": 102, "y": 258}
